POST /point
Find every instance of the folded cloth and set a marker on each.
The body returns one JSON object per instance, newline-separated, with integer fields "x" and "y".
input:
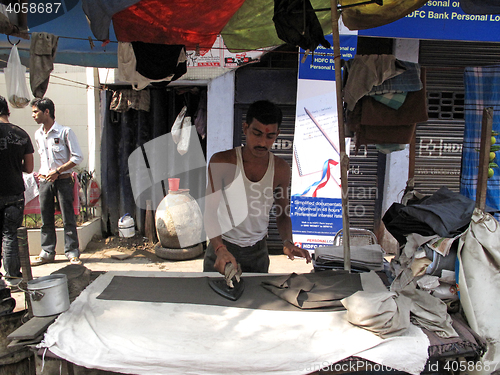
{"x": 413, "y": 110}
{"x": 429, "y": 312}
{"x": 376, "y": 123}
{"x": 446, "y": 212}
{"x": 407, "y": 81}
{"x": 384, "y": 313}
{"x": 389, "y": 314}
{"x": 467, "y": 344}
{"x": 392, "y": 100}
{"x": 368, "y": 257}
{"x": 322, "y": 289}
{"x": 366, "y": 71}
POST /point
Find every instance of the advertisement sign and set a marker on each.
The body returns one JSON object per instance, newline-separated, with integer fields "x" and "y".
{"x": 220, "y": 56}
{"x": 441, "y": 20}
{"x": 316, "y": 202}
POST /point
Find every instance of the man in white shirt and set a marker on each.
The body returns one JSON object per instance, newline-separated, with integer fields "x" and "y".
{"x": 247, "y": 180}
{"x": 59, "y": 152}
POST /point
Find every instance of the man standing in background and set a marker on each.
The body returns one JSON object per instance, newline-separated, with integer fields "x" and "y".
{"x": 59, "y": 153}
{"x": 16, "y": 157}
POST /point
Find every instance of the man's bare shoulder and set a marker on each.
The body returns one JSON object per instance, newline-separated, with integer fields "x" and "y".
{"x": 281, "y": 164}
{"x": 228, "y": 156}
{"x": 281, "y": 169}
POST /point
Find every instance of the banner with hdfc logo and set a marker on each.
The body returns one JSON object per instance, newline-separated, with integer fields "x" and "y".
{"x": 316, "y": 195}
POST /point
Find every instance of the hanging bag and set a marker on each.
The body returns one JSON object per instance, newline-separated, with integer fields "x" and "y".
{"x": 479, "y": 284}
{"x": 177, "y": 127}
{"x": 183, "y": 145}
{"x": 15, "y": 79}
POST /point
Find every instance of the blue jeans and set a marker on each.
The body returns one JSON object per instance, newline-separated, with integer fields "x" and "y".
{"x": 11, "y": 218}
{"x": 62, "y": 190}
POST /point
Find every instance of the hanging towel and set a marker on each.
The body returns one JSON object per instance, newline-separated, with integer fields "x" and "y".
{"x": 42, "y": 53}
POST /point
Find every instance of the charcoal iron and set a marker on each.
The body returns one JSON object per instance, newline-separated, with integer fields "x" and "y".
{"x": 232, "y": 286}
{"x": 220, "y": 287}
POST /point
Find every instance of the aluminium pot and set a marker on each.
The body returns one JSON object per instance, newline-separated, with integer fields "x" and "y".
{"x": 49, "y": 295}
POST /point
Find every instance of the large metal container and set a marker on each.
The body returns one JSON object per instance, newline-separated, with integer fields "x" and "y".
{"x": 49, "y": 295}
{"x": 179, "y": 221}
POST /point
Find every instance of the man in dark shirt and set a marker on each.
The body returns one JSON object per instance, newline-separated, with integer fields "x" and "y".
{"x": 16, "y": 157}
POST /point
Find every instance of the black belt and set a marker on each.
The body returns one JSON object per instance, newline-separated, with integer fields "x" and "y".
{"x": 60, "y": 177}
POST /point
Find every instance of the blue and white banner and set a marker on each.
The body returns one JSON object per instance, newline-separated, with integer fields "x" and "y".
{"x": 316, "y": 203}
{"x": 441, "y": 20}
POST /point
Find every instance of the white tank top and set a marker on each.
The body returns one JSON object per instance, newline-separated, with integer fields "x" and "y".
{"x": 245, "y": 205}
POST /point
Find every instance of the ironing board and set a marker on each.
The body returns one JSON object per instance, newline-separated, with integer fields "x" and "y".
{"x": 132, "y": 337}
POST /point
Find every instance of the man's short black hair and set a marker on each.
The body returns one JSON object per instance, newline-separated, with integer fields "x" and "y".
{"x": 4, "y": 107}
{"x": 45, "y": 103}
{"x": 265, "y": 112}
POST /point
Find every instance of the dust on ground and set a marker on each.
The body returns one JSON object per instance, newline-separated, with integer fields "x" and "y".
{"x": 136, "y": 246}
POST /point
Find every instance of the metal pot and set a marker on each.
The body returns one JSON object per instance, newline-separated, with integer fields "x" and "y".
{"x": 179, "y": 221}
{"x": 49, "y": 295}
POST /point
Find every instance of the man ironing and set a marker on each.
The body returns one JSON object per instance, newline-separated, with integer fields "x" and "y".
{"x": 242, "y": 185}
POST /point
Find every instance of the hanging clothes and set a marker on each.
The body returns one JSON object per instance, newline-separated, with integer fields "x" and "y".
{"x": 160, "y": 61}
{"x": 365, "y": 72}
{"x": 374, "y": 122}
{"x": 123, "y": 100}
{"x": 42, "y": 53}
{"x": 296, "y": 23}
{"x": 99, "y": 14}
{"x": 482, "y": 85}
{"x": 141, "y": 63}
{"x": 200, "y": 117}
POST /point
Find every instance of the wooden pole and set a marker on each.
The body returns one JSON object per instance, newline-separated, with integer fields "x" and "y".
{"x": 24, "y": 257}
{"x": 484, "y": 158}
{"x": 149, "y": 226}
{"x": 344, "y": 159}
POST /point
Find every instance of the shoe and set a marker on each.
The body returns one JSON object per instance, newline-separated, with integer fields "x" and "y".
{"x": 75, "y": 260}
{"x": 40, "y": 260}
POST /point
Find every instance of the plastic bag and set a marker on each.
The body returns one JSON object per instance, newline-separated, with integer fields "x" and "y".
{"x": 183, "y": 145}
{"x": 176, "y": 128}
{"x": 15, "y": 79}
{"x": 94, "y": 193}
